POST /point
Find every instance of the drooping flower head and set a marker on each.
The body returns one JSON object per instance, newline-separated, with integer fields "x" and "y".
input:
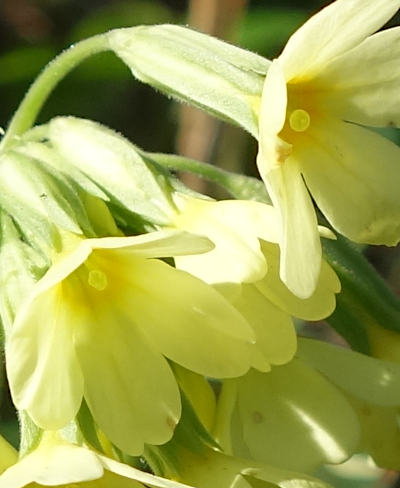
{"x": 332, "y": 79}
{"x": 101, "y": 323}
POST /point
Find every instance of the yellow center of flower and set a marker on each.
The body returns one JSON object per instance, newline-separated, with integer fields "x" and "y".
{"x": 97, "y": 279}
{"x": 299, "y": 120}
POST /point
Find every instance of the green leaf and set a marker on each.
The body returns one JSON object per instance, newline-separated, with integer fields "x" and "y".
{"x": 366, "y": 304}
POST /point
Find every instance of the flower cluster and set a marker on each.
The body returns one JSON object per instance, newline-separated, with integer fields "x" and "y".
{"x": 150, "y": 331}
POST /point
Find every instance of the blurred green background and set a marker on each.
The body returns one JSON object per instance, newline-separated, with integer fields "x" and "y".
{"x": 103, "y": 89}
{"x": 32, "y": 32}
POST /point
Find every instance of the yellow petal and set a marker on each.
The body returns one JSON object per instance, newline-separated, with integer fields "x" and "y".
{"x": 129, "y": 386}
{"x": 274, "y": 329}
{"x": 301, "y": 252}
{"x": 53, "y": 463}
{"x": 43, "y": 371}
{"x": 273, "y": 102}
{"x": 234, "y": 228}
{"x": 362, "y": 85}
{"x": 318, "y": 306}
{"x": 159, "y": 244}
{"x": 331, "y": 32}
{"x": 353, "y": 175}
{"x": 186, "y": 319}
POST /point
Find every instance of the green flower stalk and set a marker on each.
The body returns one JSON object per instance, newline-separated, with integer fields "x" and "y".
{"x": 39, "y": 91}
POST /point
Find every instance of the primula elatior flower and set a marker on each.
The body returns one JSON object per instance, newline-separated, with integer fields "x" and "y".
{"x": 99, "y": 324}
{"x": 322, "y": 407}
{"x": 332, "y": 78}
{"x": 246, "y": 253}
{"x": 56, "y": 462}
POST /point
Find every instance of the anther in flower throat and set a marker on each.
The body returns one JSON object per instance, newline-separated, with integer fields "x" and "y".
{"x": 97, "y": 279}
{"x": 299, "y": 120}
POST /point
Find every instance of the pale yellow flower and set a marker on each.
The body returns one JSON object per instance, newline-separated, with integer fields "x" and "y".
{"x": 332, "y": 78}
{"x": 56, "y": 462}
{"x": 100, "y": 325}
{"x": 244, "y": 266}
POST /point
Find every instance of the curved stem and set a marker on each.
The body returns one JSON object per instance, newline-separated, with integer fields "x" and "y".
{"x": 239, "y": 186}
{"x": 44, "y": 84}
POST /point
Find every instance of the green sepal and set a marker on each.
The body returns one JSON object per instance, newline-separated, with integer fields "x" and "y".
{"x": 20, "y": 198}
{"x": 114, "y": 165}
{"x": 30, "y": 434}
{"x": 20, "y": 267}
{"x": 39, "y": 199}
{"x": 36, "y": 144}
{"x": 222, "y": 79}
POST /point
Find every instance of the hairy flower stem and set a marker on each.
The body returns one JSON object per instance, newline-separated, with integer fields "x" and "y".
{"x": 239, "y": 186}
{"x": 47, "y": 80}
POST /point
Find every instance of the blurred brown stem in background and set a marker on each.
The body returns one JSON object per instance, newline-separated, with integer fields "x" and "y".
{"x": 198, "y": 132}
{"x": 29, "y": 21}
